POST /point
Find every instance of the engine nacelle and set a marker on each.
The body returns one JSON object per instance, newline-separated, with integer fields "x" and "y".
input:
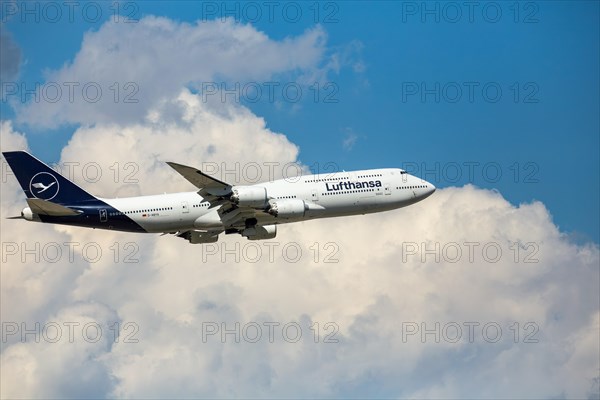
{"x": 249, "y": 196}
{"x": 258, "y": 232}
{"x": 196, "y": 237}
{"x": 29, "y": 215}
{"x": 287, "y": 208}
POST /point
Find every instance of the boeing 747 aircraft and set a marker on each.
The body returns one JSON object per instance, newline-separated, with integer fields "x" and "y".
{"x": 253, "y": 211}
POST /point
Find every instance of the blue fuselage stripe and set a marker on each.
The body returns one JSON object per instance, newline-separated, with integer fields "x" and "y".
{"x": 96, "y": 214}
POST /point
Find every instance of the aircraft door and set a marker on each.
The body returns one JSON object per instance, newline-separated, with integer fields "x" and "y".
{"x": 315, "y": 195}
{"x": 184, "y": 207}
{"x": 103, "y": 215}
{"x": 387, "y": 189}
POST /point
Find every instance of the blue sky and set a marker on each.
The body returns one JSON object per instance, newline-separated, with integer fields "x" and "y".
{"x": 545, "y": 142}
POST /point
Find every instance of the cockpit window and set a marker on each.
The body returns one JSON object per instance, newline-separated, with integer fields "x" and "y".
{"x": 402, "y": 172}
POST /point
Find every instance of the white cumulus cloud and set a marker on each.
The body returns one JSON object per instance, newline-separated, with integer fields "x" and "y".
{"x": 122, "y": 70}
{"x": 377, "y": 287}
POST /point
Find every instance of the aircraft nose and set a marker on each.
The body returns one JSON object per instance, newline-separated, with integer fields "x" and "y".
{"x": 430, "y": 189}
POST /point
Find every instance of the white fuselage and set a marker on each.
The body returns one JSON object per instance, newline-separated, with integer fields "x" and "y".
{"x": 326, "y": 195}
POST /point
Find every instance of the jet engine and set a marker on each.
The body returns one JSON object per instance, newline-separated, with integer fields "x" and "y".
{"x": 196, "y": 237}
{"x": 249, "y": 196}
{"x": 258, "y": 232}
{"x": 29, "y": 215}
{"x": 287, "y": 208}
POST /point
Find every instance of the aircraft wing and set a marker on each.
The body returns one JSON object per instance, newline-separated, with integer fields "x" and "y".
{"x": 214, "y": 191}
{"x": 207, "y": 184}
{"x": 217, "y": 193}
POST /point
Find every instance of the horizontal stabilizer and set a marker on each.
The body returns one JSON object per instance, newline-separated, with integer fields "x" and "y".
{"x": 44, "y": 207}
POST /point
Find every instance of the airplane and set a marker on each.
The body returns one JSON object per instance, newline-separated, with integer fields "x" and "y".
{"x": 253, "y": 211}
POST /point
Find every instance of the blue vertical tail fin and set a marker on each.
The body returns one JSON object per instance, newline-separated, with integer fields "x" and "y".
{"x": 39, "y": 181}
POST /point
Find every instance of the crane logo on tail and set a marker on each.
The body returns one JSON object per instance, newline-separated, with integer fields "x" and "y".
{"x": 44, "y": 186}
